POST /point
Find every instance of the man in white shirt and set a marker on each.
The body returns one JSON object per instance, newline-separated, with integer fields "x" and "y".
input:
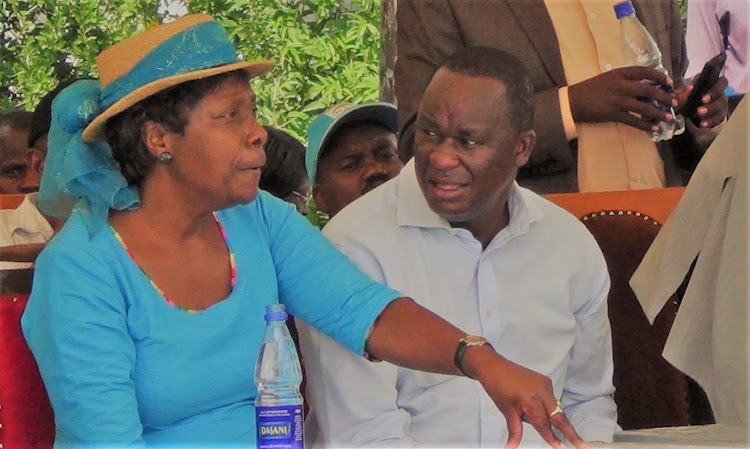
{"x": 25, "y": 225}
{"x": 455, "y": 230}
{"x": 20, "y": 226}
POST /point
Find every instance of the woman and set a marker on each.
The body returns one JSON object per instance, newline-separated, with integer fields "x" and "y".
{"x": 147, "y": 308}
{"x": 284, "y": 175}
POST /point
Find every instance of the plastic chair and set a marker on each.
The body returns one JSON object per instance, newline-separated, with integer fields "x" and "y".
{"x": 26, "y": 417}
{"x": 649, "y": 391}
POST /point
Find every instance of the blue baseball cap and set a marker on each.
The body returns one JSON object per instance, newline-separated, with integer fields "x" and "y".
{"x": 327, "y": 123}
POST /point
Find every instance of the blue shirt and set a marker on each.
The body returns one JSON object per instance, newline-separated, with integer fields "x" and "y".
{"x": 123, "y": 368}
{"x": 538, "y": 293}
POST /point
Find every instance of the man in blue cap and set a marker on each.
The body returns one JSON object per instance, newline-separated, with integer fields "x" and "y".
{"x": 351, "y": 150}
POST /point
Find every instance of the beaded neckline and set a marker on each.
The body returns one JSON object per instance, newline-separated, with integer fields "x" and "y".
{"x": 232, "y": 267}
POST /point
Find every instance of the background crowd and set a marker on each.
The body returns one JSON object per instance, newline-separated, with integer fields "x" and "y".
{"x": 156, "y": 175}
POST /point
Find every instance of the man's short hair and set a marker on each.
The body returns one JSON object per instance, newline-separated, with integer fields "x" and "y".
{"x": 486, "y": 62}
{"x": 15, "y": 120}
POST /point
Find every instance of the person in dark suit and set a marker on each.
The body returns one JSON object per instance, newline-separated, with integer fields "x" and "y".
{"x": 431, "y": 30}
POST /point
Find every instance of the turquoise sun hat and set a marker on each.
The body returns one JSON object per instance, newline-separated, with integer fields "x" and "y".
{"x": 80, "y": 171}
{"x": 327, "y": 123}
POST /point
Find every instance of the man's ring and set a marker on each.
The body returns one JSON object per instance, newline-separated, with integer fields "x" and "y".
{"x": 557, "y": 410}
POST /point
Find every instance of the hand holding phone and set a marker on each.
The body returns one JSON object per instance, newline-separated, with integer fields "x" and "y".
{"x": 708, "y": 77}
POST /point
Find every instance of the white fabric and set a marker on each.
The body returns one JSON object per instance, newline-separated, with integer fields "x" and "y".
{"x": 24, "y": 224}
{"x": 708, "y": 340}
{"x": 537, "y": 292}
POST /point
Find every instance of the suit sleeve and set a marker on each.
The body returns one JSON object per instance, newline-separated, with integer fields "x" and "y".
{"x": 427, "y": 34}
{"x": 429, "y": 31}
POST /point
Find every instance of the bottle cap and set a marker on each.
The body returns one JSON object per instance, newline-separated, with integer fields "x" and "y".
{"x": 624, "y": 9}
{"x": 276, "y": 312}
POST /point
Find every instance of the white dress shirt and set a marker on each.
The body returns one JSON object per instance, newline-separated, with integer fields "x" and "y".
{"x": 538, "y": 293}
{"x": 24, "y": 224}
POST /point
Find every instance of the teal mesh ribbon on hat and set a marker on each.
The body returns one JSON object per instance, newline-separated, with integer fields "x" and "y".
{"x": 78, "y": 174}
{"x": 84, "y": 175}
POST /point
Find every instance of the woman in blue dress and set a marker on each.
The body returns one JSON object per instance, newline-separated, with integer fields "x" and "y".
{"x": 147, "y": 308}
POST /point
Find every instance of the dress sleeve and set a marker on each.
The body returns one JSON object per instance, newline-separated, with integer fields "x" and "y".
{"x": 75, "y": 324}
{"x": 337, "y": 400}
{"x": 318, "y": 283}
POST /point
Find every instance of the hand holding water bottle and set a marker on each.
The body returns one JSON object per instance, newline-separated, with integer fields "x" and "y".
{"x": 640, "y": 49}
{"x": 616, "y": 96}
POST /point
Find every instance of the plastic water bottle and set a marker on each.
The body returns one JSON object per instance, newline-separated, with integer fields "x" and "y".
{"x": 278, "y": 406}
{"x": 639, "y": 48}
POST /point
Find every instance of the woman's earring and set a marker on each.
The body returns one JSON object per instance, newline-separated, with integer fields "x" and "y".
{"x": 166, "y": 157}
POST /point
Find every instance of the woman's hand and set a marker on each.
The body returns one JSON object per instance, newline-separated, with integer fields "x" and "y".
{"x": 521, "y": 395}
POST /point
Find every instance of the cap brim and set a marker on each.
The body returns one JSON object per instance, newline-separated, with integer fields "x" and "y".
{"x": 384, "y": 113}
{"x": 95, "y": 130}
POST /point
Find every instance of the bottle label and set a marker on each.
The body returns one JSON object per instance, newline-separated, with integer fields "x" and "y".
{"x": 279, "y": 427}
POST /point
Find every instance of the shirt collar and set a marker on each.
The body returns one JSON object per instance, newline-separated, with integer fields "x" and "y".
{"x": 27, "y": 218}
{"x": 412, "y": 208}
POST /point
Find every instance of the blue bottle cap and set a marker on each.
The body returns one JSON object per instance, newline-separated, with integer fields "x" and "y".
{"x": 276, "y": 312}
{"x": 624, "y": 9}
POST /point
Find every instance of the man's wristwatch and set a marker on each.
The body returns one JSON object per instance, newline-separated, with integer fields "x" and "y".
{"x": 465, "y": 343}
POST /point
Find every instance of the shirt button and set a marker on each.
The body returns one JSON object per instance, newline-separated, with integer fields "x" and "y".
{"x": 592, "y": 15}
{"x": 608, "y": 66}
{"x": 488, "y": 313}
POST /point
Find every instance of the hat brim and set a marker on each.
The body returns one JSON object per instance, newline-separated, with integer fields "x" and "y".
{"x": 94, "y": 132}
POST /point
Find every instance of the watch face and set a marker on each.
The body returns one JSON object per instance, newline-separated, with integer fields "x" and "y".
{"x": 474, "y": 340}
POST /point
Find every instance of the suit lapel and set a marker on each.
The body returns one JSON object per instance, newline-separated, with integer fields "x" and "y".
{"x": 533, "y": 17}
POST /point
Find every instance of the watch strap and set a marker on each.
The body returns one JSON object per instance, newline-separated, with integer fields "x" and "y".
{"x": 463, "y": 345}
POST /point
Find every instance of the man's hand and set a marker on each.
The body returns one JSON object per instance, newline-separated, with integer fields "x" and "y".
{"x": 613, "y": 96}
{"x": 714, "y": 104}
{"x": 519, "y": 392}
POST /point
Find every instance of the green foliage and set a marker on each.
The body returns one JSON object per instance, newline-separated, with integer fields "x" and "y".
{"x": 683, "y": 8}
{"x": 326, "y": 51}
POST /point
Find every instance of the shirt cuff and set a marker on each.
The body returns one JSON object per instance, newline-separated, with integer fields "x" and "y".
{"x": 567, "y": 116}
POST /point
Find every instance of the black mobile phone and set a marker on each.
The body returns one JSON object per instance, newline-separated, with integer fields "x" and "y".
{"x": 703, "y": 82}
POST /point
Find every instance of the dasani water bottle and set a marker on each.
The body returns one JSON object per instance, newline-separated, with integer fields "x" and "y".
{"x": 278, "y": 406}
{"x": 639, "y": 48}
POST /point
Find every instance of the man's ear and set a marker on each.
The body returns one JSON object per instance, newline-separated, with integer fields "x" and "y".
{"x": 319, "y": 198}
{"x": 36, "y": 161}
{"x": 157, "y": 138}
{"x": 524, "y": 147}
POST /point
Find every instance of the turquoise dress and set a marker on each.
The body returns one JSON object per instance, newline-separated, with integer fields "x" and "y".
{"x": 124, "y": 368}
